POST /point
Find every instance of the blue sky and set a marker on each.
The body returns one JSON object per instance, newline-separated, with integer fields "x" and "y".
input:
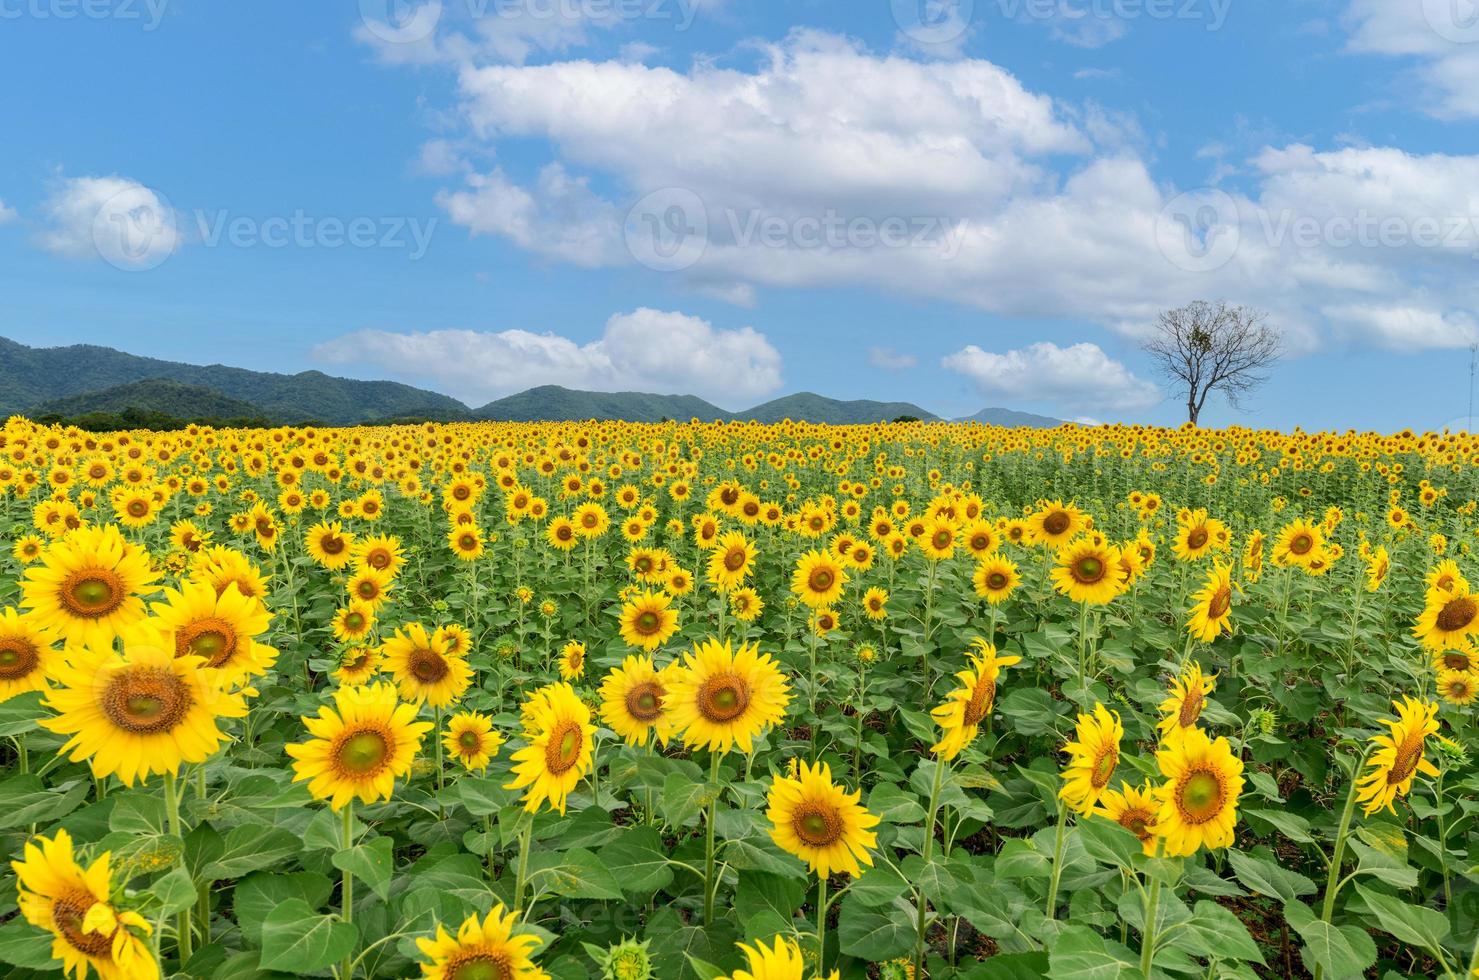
{"x": 967, "y": 204}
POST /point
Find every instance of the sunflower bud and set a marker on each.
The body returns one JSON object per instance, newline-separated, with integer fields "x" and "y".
{"x": 627, "y": 960}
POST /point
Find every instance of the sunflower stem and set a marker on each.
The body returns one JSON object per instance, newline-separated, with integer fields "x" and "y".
{"x": 928, "y": 850}
{"x": 183, "y": 930}
{"x": 346, "y": 841}
{"x": 526, "y": 831}
{"x": 821, "y": 924}
{"x": 1337, "y": 856}
{"x": 1058, "y": 841}
{"x": 1148, "y": 919}
{"x": 710, "y": 886}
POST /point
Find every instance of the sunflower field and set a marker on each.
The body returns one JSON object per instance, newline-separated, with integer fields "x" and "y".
{"x": 696, "y": 701}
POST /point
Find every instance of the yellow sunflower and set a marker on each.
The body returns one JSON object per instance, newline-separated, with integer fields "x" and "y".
{"x": 938, "y": 540}
{"x": 1134, "y": 809}
{"x": 380, "y": 553}
{"x": 359, "y": 747}
{"x": 782, "y": 962}
{"x": 722, "y": 697}
{"x": 140, "y": 711}
{"x": 55, "y": 893}
{"x": 1300, "y": 543}
{"x": 572, "y": 661}
{"x": 1199, "y": 800}
{"x": 996, "y": 578}
{"x": 1087, "y": 570}
{"x": 330, "y": 545}
{"x": 370, "y": 587}
{"x": 1183, "y": 708}
{"x": 466, "y": 542}
{"x": 25, "y": 655}
{"x": 561, "y": 747}
{"x": 647, "y": 621}
{"x": 1093, "y": 757}
{"x": 482, "y": 950}
{"x": 1398, "y": 756}
{"x": 1448, "y": 620}
{"x": 357, "y": 666}
{"x": 1458, "y": 687}
{"x": 820, "y": 822}
{"x": 220, "y": 629}
{"x": 561, "y": 534}
{"x": 423, "y": 668}
{"x": 745, "y": 604}
{"x": 87, "y": 587}
{"x": 818, "y": 579}
{"x": 634, "y": 701}
{"x": 471, "y": 740}
{"x": 964, "y": 708}
{"x": 1054, "y": 524}
{"x": 875, "y": 603}
{"x": 731, "y": 561}
{"x": 353, "y": 622}
{"x": 1211, "y": 615}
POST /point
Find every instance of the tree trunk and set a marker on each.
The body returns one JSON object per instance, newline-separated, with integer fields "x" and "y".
{"x": 1191, "y": 411}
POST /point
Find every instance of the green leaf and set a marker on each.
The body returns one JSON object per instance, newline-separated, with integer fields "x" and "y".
{"x": 576, "y": 873}
{"x": 879, "y": 885}
{"x": 1268, "y": 878}
{"x": 1010, "y": 966}
{"x": 1214, "y": 932}
{"x": 1019, "y": 859}
{"x": 638, "y": 861}
{"x": 1341, "y": 951}
{"x": 876, "y": 934}
{"x": 20, "y": 714}
{"x": 372, "y": 862}
{"x": 175, "y": 890}
{"x": 297, "y": 940}
{"x": 251, "y": 848}
{"x": 28, "y": 801}
{"x": 1384, "y": 866}
{"x": 26, "y": 946}
{"x": 772, "y": 896}
{"x": 682, "y": 799}
{"x": 1417, "y": 926}
{"x": 891, "y": 804}
{"x": 1109, "y": 843}
{"x": 1292, "y": 826}
{"x": 256, "y": 895}
{"x": 1080, "y": 953}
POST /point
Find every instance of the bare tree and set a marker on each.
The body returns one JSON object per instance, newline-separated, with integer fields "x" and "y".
{"x": 1205, "y": 347}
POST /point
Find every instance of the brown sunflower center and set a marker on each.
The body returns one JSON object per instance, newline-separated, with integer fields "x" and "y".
{"x": 18, "y": 657}
{"x": 996, "y": 581}
{"x": 817, "y": 824}
{"x": 1137, "y": 822}
{"x": 723, "y": 698}
{"x": 138, "y": 508}
{"x": 1056, "y": 523}
{"x": 941, "y": 539}
{"x": 469, "y": 741}
{"x": 378, "y": 559}
{"x": 427, "y": 666}
{"x": 331, "y": 544}
{"x": 92, "y": 592}
{"x": 979, "y": 703}
{"x": 68, "y": 912}
{"x": 1301, "y": 544}
{"x": 1104, "y": 766}
{"x": 363, "y": 752}
{"x": 980, "y": 542}
{"x": 1407, "y": 757}
{"x": 1199, "y": 796}
{"x": 1457, "y": 660}
{"x": 1088, "y": 569}
{"x": 734, "y": 559}
{"x": 146, "y": 700}
{"x": 355, "y": 620}
{"x": 367, "y": 589}
{"x": 644, "y": 701}
{"x": 211, "y": 638}
{"x": 820, "y": 580}
{"x": 562, "y": 750}
{"x": 1197, "y": 539}
{"x": 1220, "y": 604}
{"x": 1457, "y": 614}
{"x": 1191, "y": 708}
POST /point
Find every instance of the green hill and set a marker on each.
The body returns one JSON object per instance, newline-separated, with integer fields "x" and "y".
{"x": 1010, "y": 419}
{"x": 161, "y": 395}
{"x": 810, "y": 407}
{"x": 33, "y": 376}
{"x": 552, "y": 403}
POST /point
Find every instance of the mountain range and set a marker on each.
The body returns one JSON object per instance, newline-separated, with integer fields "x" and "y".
{"x": 84, "y": 379}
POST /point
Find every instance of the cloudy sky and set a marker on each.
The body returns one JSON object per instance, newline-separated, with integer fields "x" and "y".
{"x": 967, "y": 203}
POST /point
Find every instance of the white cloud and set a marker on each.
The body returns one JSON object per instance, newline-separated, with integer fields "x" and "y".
{"x": 645, "y": 350}
{"x": 1441, "y": 35}
{"x": 7, "y": 214}
{"x": 1403, "y": 328}
{"x": 560, "y": 217}
{"x": 113, "y": 218}
{"x": 890, "y": 359}
{"x": 1079, "y": 378}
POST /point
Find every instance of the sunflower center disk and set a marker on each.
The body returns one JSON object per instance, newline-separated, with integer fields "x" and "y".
{"x": 92, "y": 593}
{"x": 980, "y": 703}
{"x": 1409, "y": 754}
{"x": 644, "y": 702}
{"x": 1457, "y": 614}
{"x": 1056, "y": 522}
{"x": 1088, "y": 570}
{"x": 1191, "y": 709}
{"x": 1221, "y": 602}
{"x": 68, "y": 913}
{"x": 1104, "y": 768}
{"x": 363, "y": 753}
{"x": 563, "y": 748}
{"x": 213, "y": 639}
{"x": 734, "y": 560}
{"x": 723, "y": 698}
{"x": 17, "y": 658}
{"x": 817, "y": 825}
{"x": 1197, "y": 539}
{"x": 821, "y": 580}
{"x": 478, "y": 966}
{"x": 647, "y": 622}
{"x": 996, "y": 580}
{"x": 428, "y": 666}
{"x": 1200, "y": 797}
{"x": 146, "y": 700}
{"x": 469, "y": 741}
